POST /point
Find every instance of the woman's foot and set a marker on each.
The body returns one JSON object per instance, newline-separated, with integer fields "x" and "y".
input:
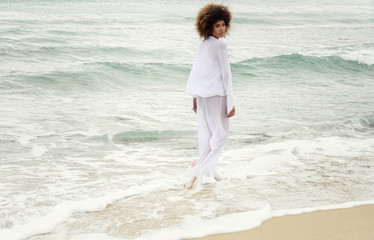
{"x": 190, "y": 182}
{"x": 217, "y": 176}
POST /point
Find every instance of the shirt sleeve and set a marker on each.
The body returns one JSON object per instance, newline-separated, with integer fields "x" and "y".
{"x": 223, "y": 59}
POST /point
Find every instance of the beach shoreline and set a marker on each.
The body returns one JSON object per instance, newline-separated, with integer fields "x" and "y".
{"x": 97, "y": 132}
{"x": 344, "y": 224}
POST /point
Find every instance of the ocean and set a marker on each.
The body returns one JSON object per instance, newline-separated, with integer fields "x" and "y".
{"x": 97, "y": 133}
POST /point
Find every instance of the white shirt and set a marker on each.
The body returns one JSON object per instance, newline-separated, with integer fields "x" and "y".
{"x": 211, "y": 73}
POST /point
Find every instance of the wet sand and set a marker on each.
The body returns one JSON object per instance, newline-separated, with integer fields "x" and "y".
{"x": 356, "y": 223}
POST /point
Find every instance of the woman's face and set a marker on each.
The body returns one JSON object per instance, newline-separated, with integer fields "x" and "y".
{"x": 219, "y": 29}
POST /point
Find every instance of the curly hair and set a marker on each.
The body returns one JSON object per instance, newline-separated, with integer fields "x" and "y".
{"x": 210, "y": 14}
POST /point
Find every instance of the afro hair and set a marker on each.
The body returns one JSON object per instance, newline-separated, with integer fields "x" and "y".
{"x": 210, "y": 14}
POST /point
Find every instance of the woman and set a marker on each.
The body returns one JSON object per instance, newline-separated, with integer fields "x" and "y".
{"x": 210, "y": 85}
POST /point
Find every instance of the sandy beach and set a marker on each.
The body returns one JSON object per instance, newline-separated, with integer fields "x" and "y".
{"x": 355, "y": 223}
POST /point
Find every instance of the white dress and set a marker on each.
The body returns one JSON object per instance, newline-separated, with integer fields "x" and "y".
{"x": 210, "y": 82}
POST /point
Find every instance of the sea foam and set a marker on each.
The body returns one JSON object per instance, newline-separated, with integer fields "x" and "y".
{"x": 195, "y": 226}
{"x": 65, "y": 209}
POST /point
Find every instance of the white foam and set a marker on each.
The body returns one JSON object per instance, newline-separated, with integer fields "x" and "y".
{"x": 195, "y": 226}
{"x": 25, "y": 139}
{"x": 38, "y": 151}
{"x": 333, "y": 146}
{"x": 65, "y": 209}
{"x": 277, "y": 158}
{"x": 363, "y": 54}
{"x": 94, "y": 236}
{"x": 295, "y": 211}
{"x": 262, "y": 160}
{"x": 174, "y": 198}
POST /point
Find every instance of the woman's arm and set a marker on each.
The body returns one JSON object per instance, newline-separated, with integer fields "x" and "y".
{"x": 194, "y": 108}
{"x": 223, "y": 59}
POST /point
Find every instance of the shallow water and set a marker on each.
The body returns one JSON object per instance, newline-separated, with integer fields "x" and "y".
{"x": 96, "y": 131}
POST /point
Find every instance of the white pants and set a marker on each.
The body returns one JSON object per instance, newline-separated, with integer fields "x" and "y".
{"x": 213, "y": 133}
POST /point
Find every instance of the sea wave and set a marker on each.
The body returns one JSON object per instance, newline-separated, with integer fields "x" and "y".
{"x": 61, "y": 49}
{"x": 64, "y": 210}
{"x": 242, "y": 221}
{"x": 292, "y": 63}
{"x": 146, "y": 136}
{"x": 310, "y": 19}
{"x": 100, "y": 76}
{"x": 367, "y": 122}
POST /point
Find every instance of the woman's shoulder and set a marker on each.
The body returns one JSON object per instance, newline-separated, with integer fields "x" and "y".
{"x": 217, "y": 42}
{"x": 221, "y": 45}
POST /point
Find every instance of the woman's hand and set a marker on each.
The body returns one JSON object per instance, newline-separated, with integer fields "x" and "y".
{"x": 231, "y": 113}
{"x": 194, "y": 108}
